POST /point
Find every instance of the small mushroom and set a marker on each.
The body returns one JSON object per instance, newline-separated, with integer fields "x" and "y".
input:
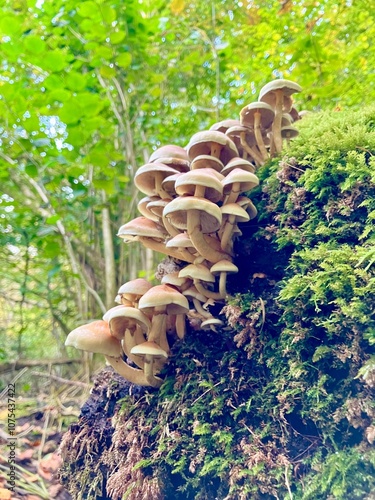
{"x": 210, "y": 142}
{"x": 236, "y": 182}
{"x": 223, "y": 268}
{"x": 259, "y": 116}
{"x": 150, "y": 352}
{"x": 96, "y": 337}
{"x": 149, "y": 177}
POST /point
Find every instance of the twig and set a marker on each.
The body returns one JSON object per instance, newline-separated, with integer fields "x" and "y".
{"x": 27, "y": 363}
{"x": 205, "y": 392}
{"x": 62, "y": 380}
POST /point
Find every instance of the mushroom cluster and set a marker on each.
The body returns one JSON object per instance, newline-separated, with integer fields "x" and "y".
{"x": 191, "y": 212}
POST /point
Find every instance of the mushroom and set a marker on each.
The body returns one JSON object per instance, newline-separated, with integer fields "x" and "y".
{"x": 244, "y": 137}
{"x": 259, "y": 116}
{"x": 201, "y": 183}
{"x": 96, "y": 337}
{"x": 199, "y": 273}
{"x": 278, "y": 95}
{"x": 223, "y": 268}
{"x": 207, "y": 161}
{"x": 224, "y": 125}
{"x": 232, "y": 214}
{"x": 212, "y": 143}
{"x": 149, "y": 177}
{"x": 198, "y": 217}
{"x": 288, "y": 133}
{"x": 133, "y": 290}
{"x": 236, "y": 182}
{"x": 150, "y": 352}
{"x": 173, "y": 156}
{"x": 238, "y": 163}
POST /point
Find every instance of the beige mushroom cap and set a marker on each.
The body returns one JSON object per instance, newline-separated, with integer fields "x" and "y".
{"x": 224, "y": 125}
{"x": 205, "y": 177}
{"x": 247, "y": 114}
{"x": 248, "y": 205}
{"x": 201, "y": 142}
{"x": 173, "y": 279}
{"x": 268, "y": 92}
{"x": 149, "y": 348}
{"x": 164, "y": 296}
{"x": 146, "y": 177}
{"x": 235, "y": 209}
{"x": 95, "y": 337}
{"x": 224, "y": 266}
{"x": 143, "y": 207}
{"x": 121, "y": 319}
{"x": 181, "y": 240}
{"x": 140, "y": 226}
{"x": 197, "y": 271}
{"x": 238, "y": 163}
{"x": 169, "y": 151}
{"x": 177, "y": 212}
{"x": 134, "y": 289}
{"x": 289, "y": 132}
{"x": 207, "y": 161}
{"x": 246, "y": 180}
{"x": 168, "y": 184}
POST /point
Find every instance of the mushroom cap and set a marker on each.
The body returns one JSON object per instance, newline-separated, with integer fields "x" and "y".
{"x": 173, "y": 279}
{"x": 197, "y": 271}
{"x": 134, "y": 289}
{"x": 235, "y": 134}
{"x": 224, "y": 266}
{"x": 248, "y": 205}
{"x": 238, "y": 163}
{"x": 211, "y": 323}
{"x": 246, "y": 180}
{"x": 207, "y": 161}
{"x": 268, "y": 92}
{"x": 247, "y": 114}
{"x": 164, "y": 296}
{"x": 146, "y": 176}
{"x": 294, "y": 114}
{"x": 289, "y": 132}
{"x": 156, "y": 207}
{"x": 95, "y": 337}
{"x": 143, "y": 207}
{"x": 206, "y": 177}
{"x": 235, "y": 209}
{"x": 120, "y": 319}
{"x": 181, "y": 240}
{"x": 140, "y": 226}
{"x": 168, "y": 184}
{"x": 149, "y": 348}
{"x": 173, "y": 156}
{"x": 201, "y": 142}
{"x": 177, "y": 213}
{"x": 224, "y": 125}
{"x": 286, "y": 120}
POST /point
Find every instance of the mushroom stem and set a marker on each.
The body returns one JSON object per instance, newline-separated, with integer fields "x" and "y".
{"x": 130, "y": 340}
{"x": 234, "y": 194}
{"x": 194, "y": 231}
{"x": 200, "y": 191}
{"x": 207, "y": 293}
{"x": 276, "y": 126}
{"x": 159, "y": 246}
{"x": 133, "y": 375}
{"x": 200, "y": 310}
{"x": 223, "y": 284}
{"x": 227, "y": 231}
{"x": 158, "y": 329}
{"x": 180, "y": 325}
{"x": 259, "y": 137}
{"x": 250, "y": 151}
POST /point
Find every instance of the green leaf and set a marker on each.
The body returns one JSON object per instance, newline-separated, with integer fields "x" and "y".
{"x": 53, "y": 219}
{"x": 124, "y": 60}
{"x": 75, "y": 81}
{"x": 35, "y": 44}
{"x": 31, "y": 170}
{"x": 108, "y": 13}
{"x": 106, "y": 185}
{"x": 54, "y": 61}
{"x": 107, "y": 72}
{"x": 87, "y": 9}
{"x": 117, "y": 37}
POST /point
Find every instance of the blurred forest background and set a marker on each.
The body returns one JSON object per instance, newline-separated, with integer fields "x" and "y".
{"x": 89, "y": 89}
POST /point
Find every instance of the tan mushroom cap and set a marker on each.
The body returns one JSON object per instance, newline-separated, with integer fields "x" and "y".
{"x": 168, "y": 184}
{"x": 268, "y": 92}
{"x": 149, "y": 348}
{"x": 286, "y": 120}
{"x": 224, "y": 266}
{"x": 198, "y": 272}
{"x": 173, "y": 279}
{"x": 247, "y": 114}
{"x": 248, "y": 205}
{"x": 143, "y": 207}
{"x": 164, "y": 296}
{"x": 294, "y": 114}
{"x": 193, "y": 293}
{"x": 181, "y": 240}
{"x": 148, "y": 177}
{"x": 211, "y": 323}
{"x": 224, "y": 125}
{"x": 289, "y": 132}
{"x": 134, "y": 289}
{"x": 173, "y": 156}
{"x": 207, "y": 161}
{"x": 156, "y": 207}
{"x": 207, "y": 178}
{"x": 140, "y": 226}
{"x": 246, "y": 181}
{"x": 177, "y": 212}
{"x": 121, "y": 319}
{"x": 202, "y": 143}
{"x": 240, "y": 214}
{"x": 95, "y": 337}
{"x": 238, "y": 163}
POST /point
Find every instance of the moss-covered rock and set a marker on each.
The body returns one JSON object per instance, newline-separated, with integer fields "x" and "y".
{"x": 279, "y": 403}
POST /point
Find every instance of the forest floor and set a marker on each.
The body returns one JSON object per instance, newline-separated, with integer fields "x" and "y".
{"x": 43, "y": 414}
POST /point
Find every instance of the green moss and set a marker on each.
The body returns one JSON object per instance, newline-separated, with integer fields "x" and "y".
{"x": 279, "y": 402}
